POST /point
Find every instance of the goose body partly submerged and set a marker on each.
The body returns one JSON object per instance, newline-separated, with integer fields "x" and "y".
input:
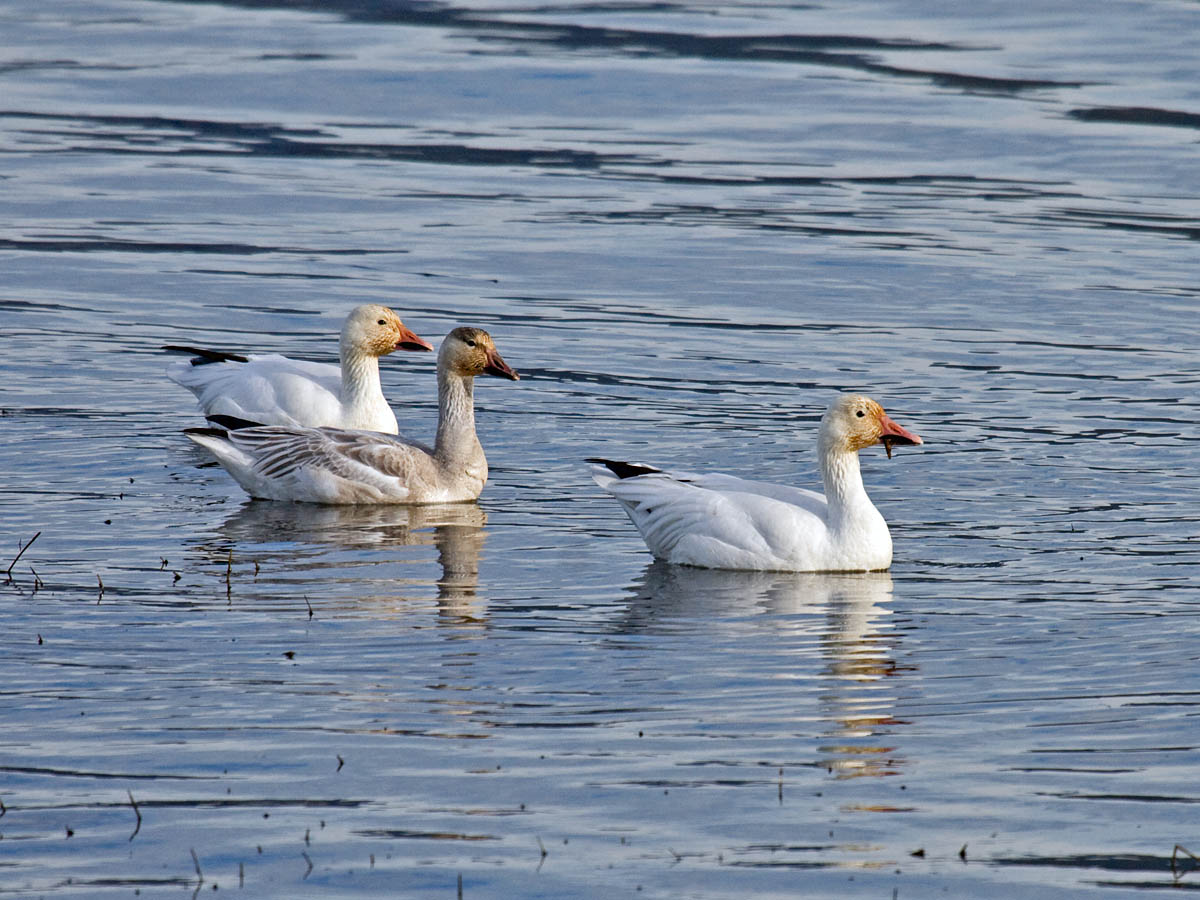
{"x": 343, "y": 466}
{"x": 275, "y": 390}
{"x": 724, "y": 522}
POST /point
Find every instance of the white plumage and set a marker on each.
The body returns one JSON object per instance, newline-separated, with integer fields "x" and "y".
{"x": 274, "y": 390}
{"x": 723, "y": 522}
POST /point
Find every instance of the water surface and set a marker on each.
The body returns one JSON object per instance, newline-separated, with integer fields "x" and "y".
{"x": 688, "y": 226}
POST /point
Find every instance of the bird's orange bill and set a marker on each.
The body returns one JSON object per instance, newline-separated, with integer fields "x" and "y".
{"x": 890, "y": 434}
{"x": 498, "y": 367}
{"x": 410, "y": 341}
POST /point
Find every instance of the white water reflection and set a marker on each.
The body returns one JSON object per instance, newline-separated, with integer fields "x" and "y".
{"x": 842, "y": 617}
{"x": 311, "y": 540}
{"x": 852, "y": 601}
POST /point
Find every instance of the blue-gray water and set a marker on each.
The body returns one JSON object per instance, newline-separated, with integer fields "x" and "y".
{"x": 688, "y": 226}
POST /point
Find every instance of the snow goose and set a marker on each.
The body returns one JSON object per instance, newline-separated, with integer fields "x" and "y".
{"x": 274, "y": 390}
{"x": 338, "y": 465}
{"x": 723, "y": 522}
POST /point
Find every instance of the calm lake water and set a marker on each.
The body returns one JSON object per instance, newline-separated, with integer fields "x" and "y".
{"x": 688, "y": 226}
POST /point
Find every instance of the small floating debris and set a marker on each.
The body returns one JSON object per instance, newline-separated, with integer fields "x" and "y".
{"x": 1175, "y": 873}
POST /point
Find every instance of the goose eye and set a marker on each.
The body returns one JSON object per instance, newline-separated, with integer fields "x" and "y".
{"x": 382, "y": 322}
{"x": 860, "y": 414}
{"x": 470, "y": 343}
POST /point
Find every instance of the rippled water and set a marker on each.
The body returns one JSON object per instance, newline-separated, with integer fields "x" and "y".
{"x": 687, "y": 225}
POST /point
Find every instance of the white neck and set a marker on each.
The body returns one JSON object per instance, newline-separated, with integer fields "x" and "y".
{"x": 360, "y": 377}
{"x": 842, "y": 478}
{"x": 456, "y": 438}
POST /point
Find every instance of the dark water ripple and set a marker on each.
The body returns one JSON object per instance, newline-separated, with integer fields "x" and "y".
{"x": 1138, "y": 115}
{"x": 518, "y": 35}
{"x": 156, "y": 136}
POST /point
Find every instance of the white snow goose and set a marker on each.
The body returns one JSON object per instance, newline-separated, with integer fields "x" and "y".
{"x": 724, "y": 522}
{"x": 274, "y": 390}
{"x": 342, "y": 466}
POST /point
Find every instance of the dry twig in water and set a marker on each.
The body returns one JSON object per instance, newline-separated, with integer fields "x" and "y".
{"x": 8, "y": 571}
{"x": 137, "y": 812}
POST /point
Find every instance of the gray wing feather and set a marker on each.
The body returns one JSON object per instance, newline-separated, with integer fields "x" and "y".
{"x": 280, "y": 451}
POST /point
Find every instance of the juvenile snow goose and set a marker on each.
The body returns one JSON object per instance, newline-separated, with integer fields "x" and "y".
{"x": 274, "y": 390}
{"x": 337, "y": 465}
{"x": 723, "y": 522}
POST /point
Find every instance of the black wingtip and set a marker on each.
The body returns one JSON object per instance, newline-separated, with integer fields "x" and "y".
{"x": 623, "y": 469}
{"x": 207, "y": 432}
{"x": 233, "y": 423}
{"x": 203, "y": 357}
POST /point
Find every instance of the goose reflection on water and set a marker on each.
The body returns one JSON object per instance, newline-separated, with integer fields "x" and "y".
{"x": 308, "y": 542}
{"x": 846, "y": 615}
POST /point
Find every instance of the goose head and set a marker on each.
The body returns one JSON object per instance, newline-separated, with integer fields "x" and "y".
{"x": 469, "y": 352}
{"x": 374, "y": 330}
{"x": 854, "y": 422}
